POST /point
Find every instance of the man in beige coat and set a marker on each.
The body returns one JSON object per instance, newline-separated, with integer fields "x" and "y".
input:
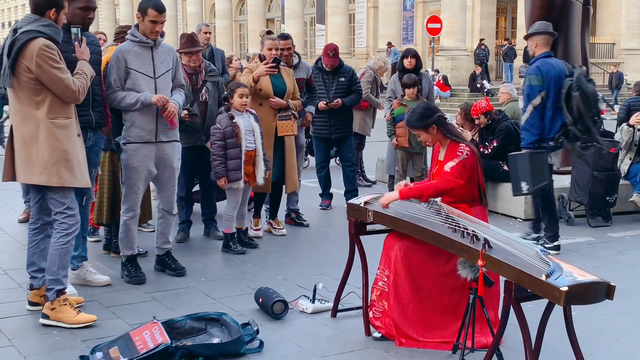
{"x": 45, "y": 150}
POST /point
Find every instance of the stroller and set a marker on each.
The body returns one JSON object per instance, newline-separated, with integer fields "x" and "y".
{"x": 308, "y": 150}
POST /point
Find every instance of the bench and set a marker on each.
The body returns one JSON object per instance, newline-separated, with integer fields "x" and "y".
{"x": 502, "y": 201}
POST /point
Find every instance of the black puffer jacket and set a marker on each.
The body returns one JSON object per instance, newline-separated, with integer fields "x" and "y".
{"x": 499, "y": 138}
{"x": 91, "y": 110}
{"x": 481, "y": 55}
{"x": 627, "y": 109}
{"x": 227, "y": 158}
{"x": 340, "y": 83}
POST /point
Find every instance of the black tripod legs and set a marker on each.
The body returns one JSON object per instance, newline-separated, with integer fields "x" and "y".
{"x": 469, "y": 321}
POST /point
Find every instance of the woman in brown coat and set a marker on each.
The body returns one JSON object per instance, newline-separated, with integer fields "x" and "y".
{"x": 273, "y": 90}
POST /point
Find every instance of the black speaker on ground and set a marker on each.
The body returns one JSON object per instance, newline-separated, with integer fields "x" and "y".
{"x": 529, "y": 171}
{"x": 271, "y": 302}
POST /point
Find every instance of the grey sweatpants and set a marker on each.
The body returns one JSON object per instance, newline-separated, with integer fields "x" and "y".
{"x": 235, "y": 214}
{"x": 293, "y": 198}
{"x": 142, "y": 164}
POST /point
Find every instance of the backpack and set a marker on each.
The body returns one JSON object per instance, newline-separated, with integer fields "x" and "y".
{"x": 580, "y": 106}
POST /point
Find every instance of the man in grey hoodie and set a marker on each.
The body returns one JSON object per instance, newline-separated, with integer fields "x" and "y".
{"x": 146, "y": 83}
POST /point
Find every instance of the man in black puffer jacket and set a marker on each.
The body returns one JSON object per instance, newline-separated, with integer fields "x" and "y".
{"x": 630, "y": 106}
{"x": 92, "y": 118}
{"x": 339, "y": 91}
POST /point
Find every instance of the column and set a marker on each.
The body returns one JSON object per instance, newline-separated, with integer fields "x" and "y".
{"x": 108, "y": 16}
{"x": 520, "y": 43}
{"x": 194, "y": 14}
{"x": 224, "y": 25}
{"x": 454, "y": 26}
{"x": 126, "y": 12}
{"x": 294, "y": 22}
{"x": 389, "y": 23}
{"x": 338, "y": 25}
{"x": 171, "y": 31}
{"x": 630, "y": 44}
{"x": 606, "y": 11}
{"x": 257, "y": 18}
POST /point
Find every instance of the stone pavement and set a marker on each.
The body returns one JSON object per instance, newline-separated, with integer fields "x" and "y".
{"x": 292, "y": 265}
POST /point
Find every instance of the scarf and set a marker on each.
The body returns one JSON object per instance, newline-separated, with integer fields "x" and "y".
{"x": 107, "y": 52}
{"x": 196, "y": 74}
{"x": 29, "y": 28}
{"x": 414, "y": 71}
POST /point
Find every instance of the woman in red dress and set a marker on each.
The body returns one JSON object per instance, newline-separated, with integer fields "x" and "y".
{"x": 418, "y": 298}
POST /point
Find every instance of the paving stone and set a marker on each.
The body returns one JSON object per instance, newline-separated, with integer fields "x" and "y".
{"x": 99, "y": 310}
{"x": 19, "y": 276}
{"x": 12, "y": 309}
{"x": 25, "y": 325}
{"x": 10, "y": 244}
{"x": 10, "y": 353}
{"x": 223, "y": 288}
{"x": 140, "y": 313}
{"x": 15, "y": 259}
{"x": 47, "y": 344}
{"x": 11, "y": 295}
{"x": 71, "y": 354}
{"x": 6, "y": 282}
{"x": 129, "y": 296}
{"x": 176, "y": 299}
{"x": 4, "y": 341}
{"x": 368, "y": 354}
{"x": 110, "y": 328}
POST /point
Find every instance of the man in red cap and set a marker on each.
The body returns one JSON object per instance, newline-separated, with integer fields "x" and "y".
{"x": 339, "y": 91}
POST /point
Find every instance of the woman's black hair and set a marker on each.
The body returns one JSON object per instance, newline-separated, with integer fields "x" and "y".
{"x": 226, "y": 97}
{"x": 424, "y": 115}
{"x": 409, "y": 53}
{"x": 445, "y": 80}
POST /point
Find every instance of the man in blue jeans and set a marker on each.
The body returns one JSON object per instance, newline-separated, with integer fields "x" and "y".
{"x": 93, "y": 121}
{"x": 339, "y": 90}
{"x": 509, "y": 55}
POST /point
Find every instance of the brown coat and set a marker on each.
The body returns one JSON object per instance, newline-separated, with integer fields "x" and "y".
{"x": 260, "y": 95}
{"x": 45, "y": 145}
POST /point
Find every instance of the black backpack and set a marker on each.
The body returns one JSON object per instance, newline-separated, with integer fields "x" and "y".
{"x": 580, "y": 105}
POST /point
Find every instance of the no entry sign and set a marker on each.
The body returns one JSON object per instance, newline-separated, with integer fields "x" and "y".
{"x": 433, "y": 24}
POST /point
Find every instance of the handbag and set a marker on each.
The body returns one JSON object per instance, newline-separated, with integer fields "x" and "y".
{"x": 364, "y": 105}
{"x": 287, "y": 123}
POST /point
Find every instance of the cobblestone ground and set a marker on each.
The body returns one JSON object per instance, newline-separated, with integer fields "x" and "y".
{"x": 292, "y": 265}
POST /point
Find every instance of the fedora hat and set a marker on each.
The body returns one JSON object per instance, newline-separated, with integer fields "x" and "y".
{"x": 541, "y": 28}
{"x": 189, "y": 42}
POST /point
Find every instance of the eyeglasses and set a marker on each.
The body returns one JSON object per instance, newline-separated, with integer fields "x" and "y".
{"x": 193, "y": 54}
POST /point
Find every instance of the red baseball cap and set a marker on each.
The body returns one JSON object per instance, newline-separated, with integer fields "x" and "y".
{"x": 331, "y": 54}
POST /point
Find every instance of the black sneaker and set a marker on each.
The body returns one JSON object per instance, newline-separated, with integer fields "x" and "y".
{"x": 552, "y": 248}
{"x": 325, "y": 205}
{"x": 246, "y": 241}
{"x": 166, "y": 263}
{"x": 115, "y": 248}
{"x": 213, "y": 233}
{"x": 230, "y": 244}
{"x": 131, "y": 272}
{"x": 94, "y": 234}
{"x": 531, "y": 236}
{"x": 108, "y": 240}
{"x": 295, "y": 218}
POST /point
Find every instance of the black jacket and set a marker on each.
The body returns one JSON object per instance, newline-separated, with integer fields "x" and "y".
{"x": 197, "y": 132}
{"x": 616, "y": 80}
{"x": 341, "y": 83}
{"x": 474, "y": 80}
{"x": 217, "y": 57}
{"x": 526, "y": 57}
{"x": 627, "y": 109}
{"x": 499, "y": 138}
{"x": 481, "y": 54}
{"x": 509, "y": 54}
{"x": 91, "y": 111}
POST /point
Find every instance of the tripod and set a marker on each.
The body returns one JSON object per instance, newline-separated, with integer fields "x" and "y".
{"x": 469, "y": 320}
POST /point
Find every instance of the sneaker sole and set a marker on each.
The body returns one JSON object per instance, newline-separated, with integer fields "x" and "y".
{"x": 170, "y": 273}
{"x": 293, "y": 223}
{"x": 63, "y": 325}
{"x": 552, "y": 252}
{"x": 90, "y": 283}
{"x": 255, "y": 235}
{"x": 147, "y": 230}
{"x": 133, "y": 281}
{"x": 275, "y": 233}
{"x": 324, "y": 208}
{"x": 117, "y": 256}
{"x": 233, "y": 252}
{"x": 94, "y": 239}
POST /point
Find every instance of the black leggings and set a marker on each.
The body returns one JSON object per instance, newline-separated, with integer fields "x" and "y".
{"x": 275, "y": 199}
{"x": 359, "y": 141}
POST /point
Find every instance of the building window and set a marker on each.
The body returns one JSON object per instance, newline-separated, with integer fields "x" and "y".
{"x": 212, "y": 22}
{"x": 309, "y": 28}
{"x": 274, "y": 16}
{"x": 352, "y": 27}
{"x": 242, "y": 46}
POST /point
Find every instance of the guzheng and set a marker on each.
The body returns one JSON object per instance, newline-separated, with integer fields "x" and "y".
{"x": 530, "y": 273}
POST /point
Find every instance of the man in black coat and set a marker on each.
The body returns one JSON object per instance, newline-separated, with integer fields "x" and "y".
{"x": 339, "y": 91}
{"x": 211, "y": 53}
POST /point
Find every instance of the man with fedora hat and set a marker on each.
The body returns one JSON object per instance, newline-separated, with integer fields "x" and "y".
{"x": 542, "y": 121}
{"x": 203, "y": 97}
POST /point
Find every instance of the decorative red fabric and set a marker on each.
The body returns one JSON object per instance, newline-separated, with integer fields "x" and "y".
{"x": 481, "y": 107}
{"x": 418, "y": 298}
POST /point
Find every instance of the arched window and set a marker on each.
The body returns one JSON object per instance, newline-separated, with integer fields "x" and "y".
{"x": 274, "y": 15}
{"x": 212, "y": 22}
{"x": 352, "y": 27}
{"x": 242, "y": 46}
{"x": 309, "y": 28}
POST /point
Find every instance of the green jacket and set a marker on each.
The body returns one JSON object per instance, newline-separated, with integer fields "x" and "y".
{"x": 512, "y": 109}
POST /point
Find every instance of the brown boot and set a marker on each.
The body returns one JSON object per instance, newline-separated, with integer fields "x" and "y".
{"x": 38, "y": 297}
{"x": 24, "y": 217}
{"x": 62, "y": 312}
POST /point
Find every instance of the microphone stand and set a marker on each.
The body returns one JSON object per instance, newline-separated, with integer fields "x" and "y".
{"x": 469, "y": 321}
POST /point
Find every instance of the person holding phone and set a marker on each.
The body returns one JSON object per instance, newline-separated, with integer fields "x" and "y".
{"x": 203, "y": 99}
{"x": 274, "y": 94}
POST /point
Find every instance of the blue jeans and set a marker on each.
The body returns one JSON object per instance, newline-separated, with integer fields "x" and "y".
{"x": 443, "y": 94}
{"x": 25, "y": 196}
{"x": 633, "y": 176}
{"x": 93, "y": 143}
{"x": 508, "y": 72}
{"x": 53, "y": 226}
{"x": 346, "y": 152}
{"x": 196, "y": 164}
{"x": 615, "y": 94}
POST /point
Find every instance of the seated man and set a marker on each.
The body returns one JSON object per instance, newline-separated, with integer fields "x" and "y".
{"x": 628, "y": 135}
{"x": 508, "y": 97}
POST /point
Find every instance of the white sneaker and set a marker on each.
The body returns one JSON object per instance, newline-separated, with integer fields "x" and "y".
{"x": 275, "y": 227}
{"x": 86, "y": 275}
{"x": 255, "y": 230}
{"x": 635, "y": 199}
{"x": 71, "y": 291}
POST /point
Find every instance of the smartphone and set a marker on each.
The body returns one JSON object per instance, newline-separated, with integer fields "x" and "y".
{"x": 76, "y": 34}
{"x": 276, "y": 60}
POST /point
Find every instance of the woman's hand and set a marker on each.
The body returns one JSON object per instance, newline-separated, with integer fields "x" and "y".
{"x": 394, "y": 142}
{"x": 222, "y": 183}
{"x": 267, "y": 174}
{"x": 266, "y": 68}
{"x": 401, "y": 185}
{"x": 388, "y": 198}
{"x": 388, "y": 117}
{"x": 465, "y": 133}
{"x": 381, "y": 107}
{"x": 185, "y": 115}
{"x": 635, "y": 119}
{"x": 277, "y": 103}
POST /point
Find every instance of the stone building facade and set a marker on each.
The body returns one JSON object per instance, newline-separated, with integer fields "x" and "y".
{"x": 362, "y": 27}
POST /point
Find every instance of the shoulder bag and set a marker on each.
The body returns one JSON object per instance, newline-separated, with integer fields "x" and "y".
{"x": 364, "y": 105}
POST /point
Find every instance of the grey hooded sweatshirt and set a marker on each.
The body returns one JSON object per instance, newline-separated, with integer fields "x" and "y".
{"x": 139, "y": 69}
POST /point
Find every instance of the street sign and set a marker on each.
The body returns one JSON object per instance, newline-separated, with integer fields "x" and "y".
{"x": 433, "y": 24}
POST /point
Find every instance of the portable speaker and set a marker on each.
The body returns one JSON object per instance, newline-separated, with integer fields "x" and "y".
{"x": 529, "y": 171}
{"x": 271, "y": 302}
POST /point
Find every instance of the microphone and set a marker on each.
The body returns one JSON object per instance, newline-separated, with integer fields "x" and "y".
{"x": 271, "y": 302}
{"x": 470, "y": 271}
